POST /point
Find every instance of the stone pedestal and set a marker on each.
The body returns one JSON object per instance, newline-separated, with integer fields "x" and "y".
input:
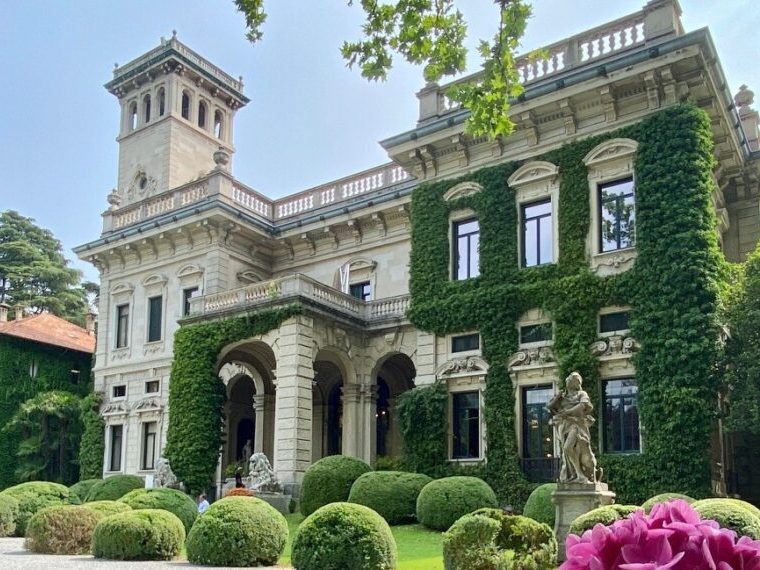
{"x": 279, "y": 501}
{"x": 573, "y": 500}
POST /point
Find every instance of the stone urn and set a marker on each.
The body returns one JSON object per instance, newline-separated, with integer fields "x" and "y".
{"x": 221, "y": 158}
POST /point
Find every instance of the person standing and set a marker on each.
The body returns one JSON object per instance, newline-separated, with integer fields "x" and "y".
{"x": 202, "y": 504}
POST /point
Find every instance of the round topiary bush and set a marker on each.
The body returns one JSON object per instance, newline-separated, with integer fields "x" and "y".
{"x": 171, "y": 500}
{"x": 82, "y": 488}
{"x": 146, "y": 534}
{"x": 108, "y": 508}
{"x": 605, "y": 515}
{"x": 238, "y": 531}
{"x": 731, "y": 514}
{"x": 344, "y": 535}
{"x": 392, "y": 494}
{"x": 664, "y": 498}
{"x": 62, "y": 529}
{"x": 114, "y": 487}
{"x": 539, "y": 505}
{"x": 36, "y": 495}
{"x": 8, "y": 515}
{"x": 443, "y": 501}
{"x": 329, "y": 480}
{"x": 490, "y": 538}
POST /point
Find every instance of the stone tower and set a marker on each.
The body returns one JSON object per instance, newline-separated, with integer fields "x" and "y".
{"x": 177, "y": 110}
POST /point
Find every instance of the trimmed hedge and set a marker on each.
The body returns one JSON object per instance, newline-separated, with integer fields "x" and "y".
{"x": 344, "y": 535}
{"x": 443, "y": 501}
{"x": 392, "y": 494}
{"x": 539, "y": 505}
{"x": 8, "y": 515}
{"x": 329, "y": 480}
{"x": 490, "y": 538}
{"x": 238, "y": 531}
{"x": 171, "y": 500}
{"x": 664, "y": 498}
{"x": 62, "y": 529}
{"x": 732, "y": 514}
{"x": 114, "y": 487}
{"x": 82, "y": 488}
{"x": 34, "y": 496}
{"x": 108, "y": 508}
{"x": 147, "y": 534}
{"x": 605, "y": 515}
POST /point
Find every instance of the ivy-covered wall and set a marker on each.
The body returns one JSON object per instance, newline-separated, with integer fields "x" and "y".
{"x": 672, "y": 289}
{"x": 197, "y": 396}
{"x": 54, "y": 366}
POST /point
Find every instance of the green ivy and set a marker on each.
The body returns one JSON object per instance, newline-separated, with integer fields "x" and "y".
{"x": 92, "y": 446}
{"x": 421, "y": 415}
{"x": 673, "y": 290}
{"x": 197, "y": 396}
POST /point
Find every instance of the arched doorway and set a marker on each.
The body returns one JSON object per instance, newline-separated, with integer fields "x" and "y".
{"x": 327, "y": 411}
{"x": 395, "y": 375}
{"x": 241, "y": 420}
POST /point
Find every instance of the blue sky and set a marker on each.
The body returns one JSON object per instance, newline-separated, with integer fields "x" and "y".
{"x": 310, "y": 119}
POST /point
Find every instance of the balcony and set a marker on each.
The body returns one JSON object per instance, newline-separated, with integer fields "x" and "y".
{"x": 299, "y": 287}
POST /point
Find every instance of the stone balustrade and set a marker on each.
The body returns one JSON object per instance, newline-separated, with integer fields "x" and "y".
{"x": 293, "y": 287}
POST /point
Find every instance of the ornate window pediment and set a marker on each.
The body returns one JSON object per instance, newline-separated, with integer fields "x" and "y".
{"x": 155, "y": 279}
{"x": 532, "y": 172}
{"x": 615, "y": 347}
{"x": 115, "y": 409}
{"x": 249, "y": 276}
{"x": 469, "y": 366}
{"x": 123, "y": 288}
{"x": 148, "y": 405}
{"x": 612, "y": 149}
{"x": 541, "y": 356}
{"x": 190, "y": 270}
{"x": 462, "y": 190}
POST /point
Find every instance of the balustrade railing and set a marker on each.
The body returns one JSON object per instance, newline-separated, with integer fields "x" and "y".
{"x": 160, "y": 204}
{"x": 298, "y": 285}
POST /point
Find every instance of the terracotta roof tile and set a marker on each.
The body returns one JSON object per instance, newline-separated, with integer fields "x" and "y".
{"x": 49, "y": 329}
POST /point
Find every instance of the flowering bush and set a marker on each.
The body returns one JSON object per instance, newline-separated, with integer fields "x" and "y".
{"x": 672, "y": 537}
{"x": 239, "y": 492}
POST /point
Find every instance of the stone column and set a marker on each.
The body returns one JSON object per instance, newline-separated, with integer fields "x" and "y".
{"x": 259, "y": 414}
{"x": 352, "y": 424}
{"x": 293, "y": 404}
{"x": 369, "y": 422}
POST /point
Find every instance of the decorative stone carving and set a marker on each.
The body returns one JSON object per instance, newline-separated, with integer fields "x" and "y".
{"x": 261, "y": 475}
{"x": 462, "y": 190}
{"x": 165, "y": 477}
{"x": 114, "y": 409}
{"x": 614, "y": 345}
{"x": 147, "y": 404}
{"x": 611, "y": 150}
{"x": 469, "y": 365}
{"x": 615, "y": 260}
{"x": 532, "y": 357}
{"x": 221, "y": 159}
{"x": 114, "y": 200}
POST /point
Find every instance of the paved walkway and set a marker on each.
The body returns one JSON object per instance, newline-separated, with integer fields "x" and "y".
{"x": 13, "y": 556}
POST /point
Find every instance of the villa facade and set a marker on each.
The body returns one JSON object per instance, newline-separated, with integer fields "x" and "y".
{"x": 184, "y": 242}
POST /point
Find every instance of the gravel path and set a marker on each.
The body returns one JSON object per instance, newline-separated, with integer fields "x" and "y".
{"x": 13, "y": 556}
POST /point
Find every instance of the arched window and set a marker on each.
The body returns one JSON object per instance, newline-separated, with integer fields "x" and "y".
{"x": 161, "y": 102}
{"x": 133, "y": 116}
{"x": 185, "y": 105}
{"x": 202, "y": 115}
{"x": 146, "y": 109}
{"x": 218, "y": 124}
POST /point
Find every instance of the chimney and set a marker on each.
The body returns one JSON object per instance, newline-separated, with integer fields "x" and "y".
{"x": 748, "y": 116}
{"x": 4, "y": 312}
{"x": 90, "y": 321}
{"x": 19, "y": 312}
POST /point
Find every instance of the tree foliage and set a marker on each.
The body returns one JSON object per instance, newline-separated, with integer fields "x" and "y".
{"x": 34, "y": 272}
{"x": 431, "y": 33}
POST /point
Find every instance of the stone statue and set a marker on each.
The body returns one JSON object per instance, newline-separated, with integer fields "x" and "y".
{"x": 262, "y": 476}
{"x": 247, "y": 451}
{"x": 571, "y": 415}
{"x": 165, "y": 477}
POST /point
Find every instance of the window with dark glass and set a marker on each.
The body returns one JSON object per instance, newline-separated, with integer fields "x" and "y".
{"x": 465, "y": 342}
{"x": 149, "y": 445}
{"x": 537, "y": 243}
{"x": 621, "y": 416}
{"x": 466, "y": 249}
{"x": 202, "y": 115}
{"x": 119, "y": 391}
{"x": 155, "y": 307}
{"x": 161, "y": 102}
{"x": 617, "y": 215}
{"x": 612, "y": 322}
{"x": 466, "y": 423}
{"x": 122, "y": 325}
{"x": 185, "y": 106}
{"x": 114, "y": 463}
{"x": 360, "y": 290}
{"x": 151, "y": 386}
{"x": 538, "y": 435}
{"x": 188, "y": 294}
{"x": 541, "y": 332}
{"x": 146, "y": 109}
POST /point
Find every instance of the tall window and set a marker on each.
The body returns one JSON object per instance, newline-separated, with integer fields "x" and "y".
{"x": 114, "y": 461}
{"x": 537, "y": 245}
{"x": 122, "y": 326}
{"x": 149, "y": 445}
{"x": 538, "y": 436}
{"x": 360, "y": 290}
{"x": 132, "y": 116}
{"x": 621, "y": 416}
{"x": 146, "y": 109}
{"x": 617, "y": 215}
{"x": 466, "y": 423}
{"x": 155, "y": 307}
{"x": 218, "y": 124}
{"x": 185, "y": 105}
{"x": 202, "y": 115}
{"x": 466, "y": 249}
{"x": 188, "y": 294}
{"x": 161, "y": 102}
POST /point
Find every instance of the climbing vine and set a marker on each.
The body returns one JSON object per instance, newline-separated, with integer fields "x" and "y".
{"x": 673, "y": 290}
{"x": 92, "y": 446}
{"x": 197, "y": 396}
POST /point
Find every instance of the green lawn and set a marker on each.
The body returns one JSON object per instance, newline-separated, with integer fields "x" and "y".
{"x": 418, "y": 547}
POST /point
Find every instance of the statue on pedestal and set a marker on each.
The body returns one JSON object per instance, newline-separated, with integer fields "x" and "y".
{"x": 261, "y": 475}
{"x": 571, "y": 415}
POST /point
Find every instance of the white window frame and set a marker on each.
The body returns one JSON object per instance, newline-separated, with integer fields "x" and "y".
{"x": 535, "y": 317}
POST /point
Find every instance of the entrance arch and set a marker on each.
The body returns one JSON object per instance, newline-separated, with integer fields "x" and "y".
{"x": 394, "y": 375}
{"x": 327, "y": 410}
